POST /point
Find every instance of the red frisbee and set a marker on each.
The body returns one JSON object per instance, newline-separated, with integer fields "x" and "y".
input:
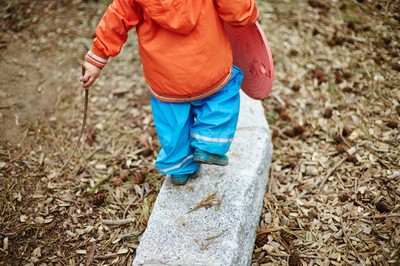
{"x": 251, "y": 53}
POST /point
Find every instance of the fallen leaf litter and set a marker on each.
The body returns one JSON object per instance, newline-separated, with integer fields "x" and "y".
{"x": 336, "y": 184}
{"x": 333, "y": 193}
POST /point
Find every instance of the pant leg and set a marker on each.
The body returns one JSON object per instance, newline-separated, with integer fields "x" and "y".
{"x": 216, "y": 117}
{"x": 173, "y": 122}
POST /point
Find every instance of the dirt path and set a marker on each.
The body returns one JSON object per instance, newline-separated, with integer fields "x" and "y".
{"x": 40, "y": 48}
{"x": 63, "y": 221}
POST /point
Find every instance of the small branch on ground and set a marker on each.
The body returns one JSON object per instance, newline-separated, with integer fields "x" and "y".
{"x": 117, "y": 222}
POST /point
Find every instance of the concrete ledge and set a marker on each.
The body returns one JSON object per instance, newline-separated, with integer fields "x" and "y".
{"x": 222, "y": 235}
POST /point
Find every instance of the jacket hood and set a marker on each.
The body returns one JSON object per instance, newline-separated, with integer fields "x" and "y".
{"x": 179, "y": 16}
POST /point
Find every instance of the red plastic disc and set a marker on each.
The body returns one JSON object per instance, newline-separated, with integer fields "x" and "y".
{"x": 252, "y": 54}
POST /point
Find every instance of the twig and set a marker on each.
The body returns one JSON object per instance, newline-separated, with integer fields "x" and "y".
{"x": 273, "y": 229}
{"x": 81, "y": 133}
{"x": 281, "y": 241}
{"x": 383, "y": 163}
{"x": 330, "y": 172}
{"x": 18, "y": 156}
{"x": 347, "y": 240}
{"x": 292, "y": 233}
{"x": 321, "y": 183}
{"x": 375, "y": 216}
{"x": 107, "y": 256}
{"x": 311, "y": 257}
{"x": 218, "y": 235}
{"x": 92, "y": 154}
{"x": 287, "y": 255}
{"x": 117, "y": 222}
{"x": 128, "y": 235}
{"x": 204, "y": 245}
{"x": 82, "y": 128}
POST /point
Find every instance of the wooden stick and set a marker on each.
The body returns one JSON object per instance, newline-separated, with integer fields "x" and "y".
{"x": 107, "y": 256}
{"x": 82, "y": 128}
{"x": 287, "y": 255}
{"x": 375, "y": 216}
{"x": 117, "y": 222}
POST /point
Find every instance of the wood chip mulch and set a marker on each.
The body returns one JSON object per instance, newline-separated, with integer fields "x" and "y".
{"x": 333, "y": 196}
{"x": 334, "y": 191}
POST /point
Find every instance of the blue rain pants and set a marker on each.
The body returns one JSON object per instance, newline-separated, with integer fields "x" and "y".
{"x": 208, "y": 124}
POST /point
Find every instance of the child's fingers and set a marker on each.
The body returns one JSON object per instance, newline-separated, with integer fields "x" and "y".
{"x": 89, "y": 82}
{"x": 82, "y": 79}
{"x": 89, "y": 75}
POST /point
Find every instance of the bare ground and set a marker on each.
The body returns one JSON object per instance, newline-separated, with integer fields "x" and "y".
{"x": 65, "y": 220}
{"x": 333, "y": 195}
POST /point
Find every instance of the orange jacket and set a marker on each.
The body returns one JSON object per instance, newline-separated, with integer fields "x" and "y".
{"x": 183, "y": 46}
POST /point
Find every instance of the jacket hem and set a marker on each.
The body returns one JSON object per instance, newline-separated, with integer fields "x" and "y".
{"x": 192, "y": 98}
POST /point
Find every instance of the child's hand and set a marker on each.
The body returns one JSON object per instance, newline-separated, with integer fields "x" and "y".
{"x": 89, "y": 74}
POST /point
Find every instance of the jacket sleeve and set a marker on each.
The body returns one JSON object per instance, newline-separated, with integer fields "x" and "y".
{"x": 237, "y": 12}
{"x": 112, "y": 31}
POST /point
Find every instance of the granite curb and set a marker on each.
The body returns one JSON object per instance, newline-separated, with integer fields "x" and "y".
{"x": 223, "y": 231}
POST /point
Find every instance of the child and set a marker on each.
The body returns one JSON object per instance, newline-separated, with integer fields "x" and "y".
{"x": 187, "y": 63}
